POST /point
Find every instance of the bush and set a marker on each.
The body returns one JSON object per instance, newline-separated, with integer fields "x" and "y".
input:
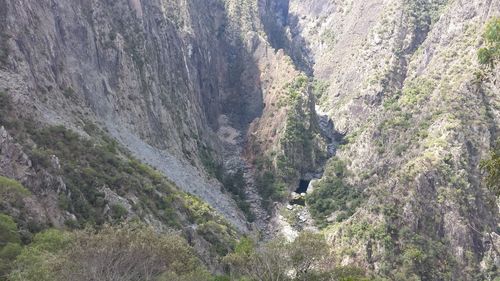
{"x": 9, "y": 244}
{"x": 218, "y": 236}
{"x": 332, "y": 194}
{"x": 126, "y": 252}
{"x": 492, "y": 168}
{"x": 11, "y": 192}
{"x": 118, "y": 212}
{"x": 270, "y": 189}
{"x": 5, "y": 108}
{"x": 8, "y": 231}
{"x": 281, "y": 260}
{"x": 88, "y": 165}
{"x": 235, "y": 184}
{"x": 491, "y": 52}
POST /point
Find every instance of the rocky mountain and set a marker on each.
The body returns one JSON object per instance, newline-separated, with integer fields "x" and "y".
{"x": 205, "y": 116}
{"x": 403, "y": 81}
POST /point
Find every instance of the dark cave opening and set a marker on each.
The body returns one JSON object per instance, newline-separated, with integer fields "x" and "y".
{"x": 303, "y": 185}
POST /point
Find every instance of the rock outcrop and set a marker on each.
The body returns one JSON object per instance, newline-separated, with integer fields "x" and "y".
{"x": 204, "y": 90}
{"x": 402, "y": 82}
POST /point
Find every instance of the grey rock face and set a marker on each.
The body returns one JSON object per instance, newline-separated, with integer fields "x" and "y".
{"x": 373, "y": 55}
{"x": 161, "y": 71}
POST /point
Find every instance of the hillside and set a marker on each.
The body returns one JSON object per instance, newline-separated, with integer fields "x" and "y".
{"x": 249, "y": 140}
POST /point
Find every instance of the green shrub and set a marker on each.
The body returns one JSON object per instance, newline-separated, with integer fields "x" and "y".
{"x": 492, "y": 168}
{"x": 491, "y": 52}
{"x": 88, "y": 165}
{"x": 118, "y": 211}
{"x": 9, "y": 244}
{"x": 12, "y": 192}
{"x": 319, "y": 89}
{"x": 211, "y": 165}
{"x": 416, "y": 91}
{"x": 127, "y": 252}
{"x": 235, "y": 184}
{"x": 331, "y": 194}
{"x": 218, "y": 236}
{"x": 274, "y": 260}
{"x": 270, "y": 188}
{"x": 8, "y": 231}
{"x": 5, "y": 108}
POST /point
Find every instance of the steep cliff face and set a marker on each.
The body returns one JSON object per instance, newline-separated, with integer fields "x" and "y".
{"x": 274, "y": 17}
{"x": 404, "y": 82}
{"x": 221, "y": 97}
{"x": 156, "y": 75}
{"x": 168, "y": 80}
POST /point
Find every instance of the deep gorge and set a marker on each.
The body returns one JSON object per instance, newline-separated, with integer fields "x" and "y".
{"x": 249, "y": 140}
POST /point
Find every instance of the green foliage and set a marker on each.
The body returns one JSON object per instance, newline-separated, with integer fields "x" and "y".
{"x": 416, "y": 91}
{"x": 235, "y": 184}
{"x": 424, "y": 257}
{"x": 210, "y": 226}
{"x": 270, "y": 188}
{"x": 281, "y": 260}
{"x": 118, "y": 211}
{"x": 422, "y": 13}
{"x": 5, "y": 109}
{"x": 245, "y": 246}
{"x": 8, "y": 231}
{"x": 332, "y": 194}
{"x": 267, "y": 262}
{"x": 299, "y": 139}
{"x": 88, "y": 166}
{"x": 219, "y": 236}
{"x": 350, "y": 273}
{"x": 399, "y": 120}
{"x": 296, "y": 130}
{"x": 328, "y": 37}
{"x": 9, "y": 244}
{"x": 11, "y": 192}
{"x": 127, "y": 252}
{"x": 211, "y": 165}
{"x": 491, "y": 52}
{"x": 4, "y": 37}
{"x": 198, "y": 211}
{"x": 391, "y": 102}
{"x": 299, "y": 144}
{"x": 319, "y": 89}
{"x": 296, "y": 88}
{"x": 305, "y": 251}
{"x": 492, "y": 168}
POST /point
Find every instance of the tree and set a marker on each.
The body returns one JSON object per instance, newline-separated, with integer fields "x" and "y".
{"x": 491, "y": 52}
{"x": 9, "y": 244}
{"x": 492, "y": 168}
{"x": 11, "y": 192}
{"x": 279, "y": 259}
{"x": 305, "y": 252}
{"x": 124, "y": 252}
{"x": 8, "y": 231}
{"x": 269, "y": 261}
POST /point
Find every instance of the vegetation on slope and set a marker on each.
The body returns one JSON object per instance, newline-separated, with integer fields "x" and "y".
{"x": 416, "y": 161}
{"x": 10, "y": 244}
{"x": 300, "y": 147}
{"x": 134, "y": 251}
{"x": 492, "y": 168}
{"x": 333, "y": 199}
{"x": 123, "y": 252}
{"x": 304, "y": 259}
{"x": 102, "y": 183}
{"x": 490, "y": 54}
